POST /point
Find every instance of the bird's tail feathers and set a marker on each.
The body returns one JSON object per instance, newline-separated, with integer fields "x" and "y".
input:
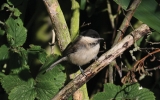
{"x": 57, "y": 62}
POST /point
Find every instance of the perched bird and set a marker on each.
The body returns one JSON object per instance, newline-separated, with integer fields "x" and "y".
{"x": 81, "y": 51}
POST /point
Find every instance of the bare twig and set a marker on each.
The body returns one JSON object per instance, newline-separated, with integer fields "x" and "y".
{"x": 126, "y": 20}
{"x": 103, "y": 61}
{"x": 154, "y": 68}
{"x": 144, "y": 58}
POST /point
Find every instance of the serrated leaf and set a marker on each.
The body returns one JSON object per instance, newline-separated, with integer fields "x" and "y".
{"x": 49, "y": 60}
{"x": 37, "y": 52}
{"x": 146, "y": 7}
{"x": 111, "y": 91}
{"x": 127, "y": 92}
{"x": 11, "y": 81}
{"x": 53, "y": 80}
{"x": 18, "y": 60}
{"x": 132, "y": 91}
{"x": 23, "y": 92}
{"x": 4, "y": 53}
{"x": 46, "y": 90}
{"x": 1, "y": 75}
{"x": 16, "y": 33}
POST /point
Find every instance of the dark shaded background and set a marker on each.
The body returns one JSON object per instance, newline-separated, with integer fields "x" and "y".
{"x": 38, "y": 24}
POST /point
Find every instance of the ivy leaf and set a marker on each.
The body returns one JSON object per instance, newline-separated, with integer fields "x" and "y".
{"x": 48, "y": 84}
{"x": 16, "y": 33}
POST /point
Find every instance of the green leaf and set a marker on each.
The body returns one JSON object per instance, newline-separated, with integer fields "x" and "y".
{"x": 19, "y": 87}
{"x": 2, "y": 32}
{"x": 7, "y": 6}
{"x": 11, "y": 8}
{"x": 23, "y": 92}
{"x": 45, "y": 90}
{"x": 49, "y": 60}
{"x": 155, "y": 36}
{"x": 147, "y": 12}
{"x": 133, "y": 91}
{"x": 18, "y": 60}
{"x": 4, "y": 52}
{"x": 111, "y": 91}
{"x": 1, "y": 76}
{"x": 127, "y": 92}
{"x": 9, "y": 82}
{"x": 49, "y": 83}
{"x": 83, "y": 4}
{"x": 16, "y": 33}
{"x": 9, "y": 2}
{"x": 17, "y": 13}
{"x": 37, "y": 52}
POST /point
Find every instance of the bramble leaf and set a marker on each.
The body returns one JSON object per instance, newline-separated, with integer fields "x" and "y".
{"x": 126, "y": 92}
{"x": 16, "y": 33}
{"x": 49, "y": 83}
{"x": 4, "y": 53}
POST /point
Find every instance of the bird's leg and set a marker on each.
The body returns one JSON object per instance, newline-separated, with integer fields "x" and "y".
{"x": 82, "y": 71}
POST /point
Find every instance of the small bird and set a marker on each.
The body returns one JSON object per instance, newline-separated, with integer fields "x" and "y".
{"x": 81, "y": 51}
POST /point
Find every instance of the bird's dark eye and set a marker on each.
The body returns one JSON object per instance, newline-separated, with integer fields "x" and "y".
{"x": 93, "y": 36}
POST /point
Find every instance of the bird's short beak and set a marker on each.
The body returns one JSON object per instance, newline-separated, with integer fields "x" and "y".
{"x": 100, "y": 39}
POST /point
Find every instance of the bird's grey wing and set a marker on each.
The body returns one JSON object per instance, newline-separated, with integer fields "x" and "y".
{"x": 73, "y": 47}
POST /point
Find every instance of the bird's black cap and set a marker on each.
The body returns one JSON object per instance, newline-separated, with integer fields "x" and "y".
{"x": 90, "y": 33}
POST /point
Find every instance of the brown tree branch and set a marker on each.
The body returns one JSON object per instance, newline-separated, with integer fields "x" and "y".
{"x": 103, "y": 61}
{"x": 58, "y": 22}
{"x": 126, "y": 22}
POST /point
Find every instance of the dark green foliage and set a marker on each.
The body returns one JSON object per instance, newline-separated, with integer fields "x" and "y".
{"x": 126, "y": 92}
{"x": 22, "y": 80}
{"x": 16, "y": 78}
